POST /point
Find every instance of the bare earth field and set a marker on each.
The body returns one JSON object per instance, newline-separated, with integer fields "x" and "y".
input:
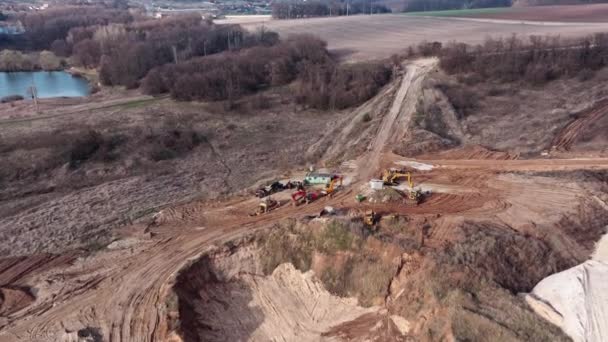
{"x": 379, "y": 36}
{"x": 594, "y": 13}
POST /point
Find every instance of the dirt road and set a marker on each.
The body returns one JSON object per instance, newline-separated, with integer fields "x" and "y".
{"x": 395, "y": 123}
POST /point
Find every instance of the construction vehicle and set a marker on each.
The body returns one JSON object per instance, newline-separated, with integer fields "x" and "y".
{"x": 302, "y": 196}
{"x": 293, "y": 185}
{"x": 331, "y": 187}
{"x": 370, "y": 218}
{"x": 269, "y": 190}
{"x": 412, "y": 196}
{"x": 390, "y": 176}
{"x": 265, "y": 206}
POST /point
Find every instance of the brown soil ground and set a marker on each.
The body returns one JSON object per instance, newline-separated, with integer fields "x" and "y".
{"x": 450, "y": 268}
{"x": 378, "y": 36}
{"x": 594, "y": 13}
{"x": 76, "y": 207}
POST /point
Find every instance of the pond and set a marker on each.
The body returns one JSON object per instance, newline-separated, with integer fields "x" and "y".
{"x": 48, "y": 84}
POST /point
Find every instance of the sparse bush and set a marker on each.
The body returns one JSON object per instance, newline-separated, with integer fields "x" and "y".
{"x": 331, "y": 86}
{"x": 496, "y": 91}
{"x": 173, "y": 141}
{"x": 366, "y": 117}
{"x": 463, "y": 100}
{"x": 429, "y": 48}
{"x": 335, "y": 237}
{"x": 11, "y": 98}
{"x": 84, "y": 147}
{"x": 585, "y": 75}
{"x": 536, "y": 61}
{"x": 286, "y": 244}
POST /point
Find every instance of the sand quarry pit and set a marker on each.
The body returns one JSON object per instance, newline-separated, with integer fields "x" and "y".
{"x": 226, "y": 297}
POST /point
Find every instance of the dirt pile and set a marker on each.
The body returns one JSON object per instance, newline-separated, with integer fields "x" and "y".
{"x": 13, "y": 300}
{"x": 576, "y": 299}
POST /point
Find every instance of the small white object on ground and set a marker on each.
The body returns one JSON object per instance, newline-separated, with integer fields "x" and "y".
{"x": 376, "y": 184}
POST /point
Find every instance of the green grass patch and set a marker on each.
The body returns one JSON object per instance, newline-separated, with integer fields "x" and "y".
{"x": 459, "y": 12}
{"x": 137, "y": 103}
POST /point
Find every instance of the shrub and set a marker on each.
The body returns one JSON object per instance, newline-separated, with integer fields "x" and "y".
{"x": 172, "y": 141}
{"x": 11, "y": 98}
{"x": 539, "y": 60}
{"x": 93, "y": 145}
{"x": 585, "y": 75}
{"x": 463, "y": 100}
{"x": 335, "y": 237}
{"x": 84, "y": 147}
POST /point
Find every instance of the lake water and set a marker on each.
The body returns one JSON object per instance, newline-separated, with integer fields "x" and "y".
{"x": 48, "y": 84}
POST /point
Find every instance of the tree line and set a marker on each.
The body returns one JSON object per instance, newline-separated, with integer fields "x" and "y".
{"x": 43, "y": 28}
{"x": 535, "y": 59}
{"x": 192, "y": 58}
{"x": 320, "y": 81}
{"x": 11, "y": 60}
{"x": 125, "y": 50}
{"x": 307, "y": 9}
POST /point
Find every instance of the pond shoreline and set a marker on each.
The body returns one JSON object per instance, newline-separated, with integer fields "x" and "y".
{"x": 49, "y": 84}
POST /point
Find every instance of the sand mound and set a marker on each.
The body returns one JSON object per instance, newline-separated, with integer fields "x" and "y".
{"x": 577, "y": 299}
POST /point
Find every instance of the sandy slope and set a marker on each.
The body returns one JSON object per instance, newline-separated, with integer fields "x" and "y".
{"x": 577, "y": 299}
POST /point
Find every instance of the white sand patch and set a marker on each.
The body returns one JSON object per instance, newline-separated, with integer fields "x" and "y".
{"x": 416, "y": 165}
{"x": 402, "y": 324}
{"x": 577, "y": 299}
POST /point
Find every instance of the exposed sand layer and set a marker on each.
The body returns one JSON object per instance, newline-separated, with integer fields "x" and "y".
{"x": 286, "y": 306}
{"x": 577, "y": 299}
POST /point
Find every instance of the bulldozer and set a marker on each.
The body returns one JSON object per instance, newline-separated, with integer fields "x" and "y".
{"x": 412, "y": 196}
{"x": 370, "y": 218}
{"x": 265, "y": 206}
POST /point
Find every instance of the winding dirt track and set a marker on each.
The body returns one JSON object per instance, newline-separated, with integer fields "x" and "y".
{"x": 123, "y": 292}
{"x": 572, "y": 132}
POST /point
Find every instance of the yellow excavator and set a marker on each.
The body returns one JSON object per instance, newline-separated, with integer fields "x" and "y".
{"x": 390, "y": 176}
{"x": 331, "y": 187}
